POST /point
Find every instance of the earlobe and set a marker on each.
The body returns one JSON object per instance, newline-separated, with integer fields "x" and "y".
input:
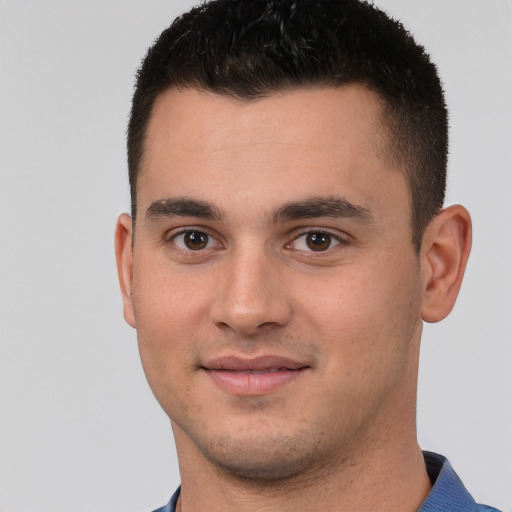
{"x": 444, "y": 254}
{"x": 124, "y": 259}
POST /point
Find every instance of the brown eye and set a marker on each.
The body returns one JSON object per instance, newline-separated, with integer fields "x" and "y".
{"x": 315, "y": 241}
{"x": 318, "y": 241}
{"x": 196, "y": 240}
{"x": 193, "y": 240}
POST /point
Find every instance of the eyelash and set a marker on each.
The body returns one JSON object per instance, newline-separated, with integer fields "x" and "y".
{"x": 170, "y": 238}
{"x": 333, "y": 239}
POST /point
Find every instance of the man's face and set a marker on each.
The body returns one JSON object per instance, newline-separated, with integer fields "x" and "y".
{"x": 276, "y": 292}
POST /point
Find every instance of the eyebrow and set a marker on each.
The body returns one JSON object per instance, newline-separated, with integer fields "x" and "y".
{"x": 183, "y": 207}
{"x": 334, "y": 207}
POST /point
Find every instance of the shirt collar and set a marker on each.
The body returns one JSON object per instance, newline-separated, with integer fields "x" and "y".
{"x": 448, "y": 492}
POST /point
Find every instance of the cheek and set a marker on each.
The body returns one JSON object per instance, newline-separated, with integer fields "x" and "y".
{"x": 366, "y": 324}
{"x": 366, "y": 315}
{"x": 169, "y": 311}
{"x": 167, "y": 300}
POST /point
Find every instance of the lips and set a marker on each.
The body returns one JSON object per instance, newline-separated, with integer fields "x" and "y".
{"x": 258, "y": 372}
{"x": 256, "y": 376}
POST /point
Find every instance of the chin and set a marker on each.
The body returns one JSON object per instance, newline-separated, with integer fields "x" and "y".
{"x": 263, "y": 459}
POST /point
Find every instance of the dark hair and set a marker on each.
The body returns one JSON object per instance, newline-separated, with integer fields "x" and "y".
{"x": 249, "y": 49}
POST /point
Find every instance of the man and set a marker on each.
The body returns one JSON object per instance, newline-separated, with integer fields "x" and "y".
{"x": 287, "y": 165}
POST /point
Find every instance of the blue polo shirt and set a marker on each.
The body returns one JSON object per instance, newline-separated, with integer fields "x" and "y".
{"x": 448, "y": 494}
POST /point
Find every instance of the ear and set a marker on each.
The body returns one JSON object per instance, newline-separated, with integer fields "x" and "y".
{"x": 444, "y": 254}
{"x": 124, "y": 259}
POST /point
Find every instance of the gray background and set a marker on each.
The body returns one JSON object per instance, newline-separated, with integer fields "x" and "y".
{"x": 79, "y": 428}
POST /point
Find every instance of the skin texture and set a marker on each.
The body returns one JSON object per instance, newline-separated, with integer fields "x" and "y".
{"x": 349, "y": 315}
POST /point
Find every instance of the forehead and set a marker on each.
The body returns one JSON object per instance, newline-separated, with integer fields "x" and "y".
{"x": 202, "y": 121}
{"x": 288, "y": 146}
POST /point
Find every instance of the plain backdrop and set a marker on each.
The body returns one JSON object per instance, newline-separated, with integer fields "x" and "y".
{"x": 79, "y": 428}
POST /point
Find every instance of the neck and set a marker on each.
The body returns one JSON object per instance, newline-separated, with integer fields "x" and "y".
{"x": 375, "y": 482}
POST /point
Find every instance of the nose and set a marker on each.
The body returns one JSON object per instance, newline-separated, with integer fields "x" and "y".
{"x": 251, "y": 295}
